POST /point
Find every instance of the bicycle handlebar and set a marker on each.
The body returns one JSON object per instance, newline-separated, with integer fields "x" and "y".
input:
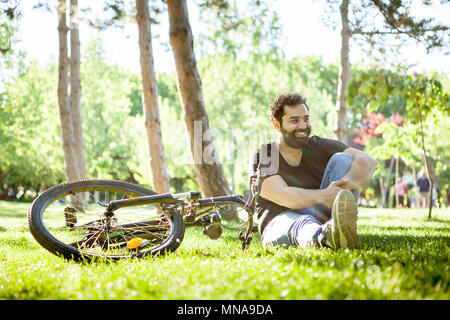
{"x": 174, "y": 199}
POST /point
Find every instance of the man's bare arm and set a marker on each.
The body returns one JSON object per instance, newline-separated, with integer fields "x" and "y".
{"x": 276, "y": 190}
{"x": 360, "y": 172}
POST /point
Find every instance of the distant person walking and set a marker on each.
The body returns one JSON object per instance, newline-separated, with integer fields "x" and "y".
{"x": 408, "y": 179}
{"x": 400, "y": 190}
{"x": 424, "y": 190}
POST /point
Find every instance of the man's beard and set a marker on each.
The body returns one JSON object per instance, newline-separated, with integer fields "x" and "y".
{"x": 295, "y": 141}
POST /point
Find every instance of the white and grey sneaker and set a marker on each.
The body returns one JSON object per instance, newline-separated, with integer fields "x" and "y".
{"x": 340, "y": 231}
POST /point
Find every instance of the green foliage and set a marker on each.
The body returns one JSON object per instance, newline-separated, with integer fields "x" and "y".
{"x": 397, "y": 17}
{"x": 251, "y": 27}
{"x": 113, "y": 129}
{"x": 375, "y": 90}
{"x": 115, "y": 141}
{"x": 175, "y": 137}
{"x": 389, "y": 91}
{"x": 396, "y": 141}
{"x": 412, "y": 96}
{"x": 238, "y": 94}
{"x": 11, "y": 60}
{"x": 31, "y": 149}
{"x": 9, "y": 17}
{"x": 135, "y": 95}
{"x": 404, "y": 256}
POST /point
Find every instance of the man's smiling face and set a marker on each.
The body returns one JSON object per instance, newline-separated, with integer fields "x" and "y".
{"x": 295, "y": 127}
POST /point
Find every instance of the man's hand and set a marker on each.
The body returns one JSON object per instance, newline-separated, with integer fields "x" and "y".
{"x": 361, "y": 171}
{"x": 275, "y": 189}
{"x": 346, "y": 183}
{"x": 329, "y": 194}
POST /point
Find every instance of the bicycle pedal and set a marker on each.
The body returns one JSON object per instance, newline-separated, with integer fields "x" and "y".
{"x": 70, "y": 216}
{"x": 213, "y": 231}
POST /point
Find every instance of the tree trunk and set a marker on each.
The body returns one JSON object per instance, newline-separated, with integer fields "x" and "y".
{"x": 208, "y": 171}
{"x": 75, "y": 89}
{"x": 67, "y": 132}
{"x": 150, "y": 101}
{"x": 430, "y": 208}
{"x": 397, "y": 204}
{"x": 385, "y": 199}
{"x": 70, "y": 160}
{"x": 414, "y": 180}
{"x": 344, "y": 76}
{"x": 436, "y": 183}
{"x": 383, "y": 196}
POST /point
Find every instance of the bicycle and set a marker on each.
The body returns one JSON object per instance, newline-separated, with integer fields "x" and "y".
{"x": 89, "y": 219}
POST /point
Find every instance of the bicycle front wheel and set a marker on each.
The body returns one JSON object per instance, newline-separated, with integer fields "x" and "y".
{"x": 68, "y": 220}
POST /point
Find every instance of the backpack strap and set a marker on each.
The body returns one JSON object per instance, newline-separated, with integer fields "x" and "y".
{"x": 255, "y": 188}
{"x": 257, "y": 176}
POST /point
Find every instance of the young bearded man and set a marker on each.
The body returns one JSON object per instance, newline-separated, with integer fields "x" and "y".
{"x": 310, "y": 185}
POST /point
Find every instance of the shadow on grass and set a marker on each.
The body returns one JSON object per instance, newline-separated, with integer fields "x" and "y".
{"x": 399, "y": 242}
{"x": 416, "y": 238}
{"x": 436, "y": 220}
{"x": 424, "y": 229}
{"x": 423, "y": 219}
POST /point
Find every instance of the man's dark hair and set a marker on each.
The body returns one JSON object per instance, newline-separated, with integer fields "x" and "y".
{"x": 290, "y": 99}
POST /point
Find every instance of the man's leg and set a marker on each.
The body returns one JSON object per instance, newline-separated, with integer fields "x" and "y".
{"x": 337, "y": 167}
{"x": 340, "y": 221}
{"x": 340, "y": 231}
{"x": 428, "y": 199}
{"x": 422, "y": 199}
{"x": 305, "y": 227}
{"x": 291, "y": 228}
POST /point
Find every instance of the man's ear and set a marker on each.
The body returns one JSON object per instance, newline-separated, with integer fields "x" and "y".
{"x": 276, "y": 125}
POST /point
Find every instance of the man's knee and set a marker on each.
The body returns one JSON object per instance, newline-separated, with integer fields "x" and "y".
{"x": 337, "y": 167}
{"x": 342, "y": 158}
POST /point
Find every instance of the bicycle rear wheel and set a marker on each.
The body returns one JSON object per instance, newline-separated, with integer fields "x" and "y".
{"x": 68, "y": 220}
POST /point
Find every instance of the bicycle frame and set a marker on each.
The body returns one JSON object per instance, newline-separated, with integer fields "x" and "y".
{"x": 176, "y": 199}
{"x": 189, "y": 204}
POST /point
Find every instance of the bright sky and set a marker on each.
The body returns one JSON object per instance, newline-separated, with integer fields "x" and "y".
{"x": 303, "y": 34}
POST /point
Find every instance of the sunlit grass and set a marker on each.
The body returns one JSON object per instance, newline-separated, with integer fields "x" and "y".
{"x": 404, "y": 256}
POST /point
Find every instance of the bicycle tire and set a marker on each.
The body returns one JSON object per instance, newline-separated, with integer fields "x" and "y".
{"x": 54, "y": 195}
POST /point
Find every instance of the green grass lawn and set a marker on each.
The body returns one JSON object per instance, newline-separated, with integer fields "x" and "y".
{"x": 404, "y": 256}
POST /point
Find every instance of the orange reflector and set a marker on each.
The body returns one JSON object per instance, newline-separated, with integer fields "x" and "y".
{"x": 134, "y": 243}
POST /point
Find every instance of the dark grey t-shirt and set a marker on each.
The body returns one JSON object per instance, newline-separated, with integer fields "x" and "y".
{"x": 307, "y": 175}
